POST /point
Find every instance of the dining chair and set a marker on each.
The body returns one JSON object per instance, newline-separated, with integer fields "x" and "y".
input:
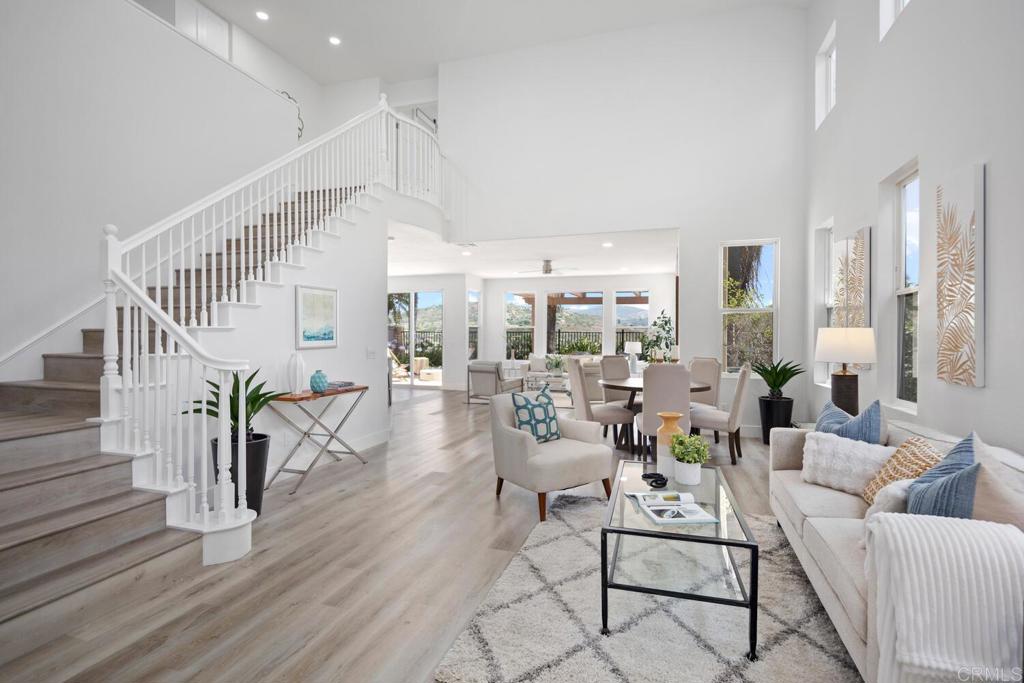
{"x": 666, "y": 389}
{"x": 616, "y": 367}
{"x": 707, "y": 417}
{"x": 707, "y": 371}
{"x": 618, "y": 417}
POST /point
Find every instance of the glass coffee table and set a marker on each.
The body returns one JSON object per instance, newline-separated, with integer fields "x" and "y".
{"x": 704, "y": 562}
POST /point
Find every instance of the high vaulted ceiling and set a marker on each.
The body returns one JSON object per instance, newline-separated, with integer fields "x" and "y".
{"x": 400, "y": 40}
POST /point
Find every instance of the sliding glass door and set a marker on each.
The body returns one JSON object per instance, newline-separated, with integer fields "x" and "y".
{"x": 416, "y": 337}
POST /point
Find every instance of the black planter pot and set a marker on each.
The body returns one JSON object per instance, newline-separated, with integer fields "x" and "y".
{"x": 257, "y": 452}
{"x": 775, "y": 412}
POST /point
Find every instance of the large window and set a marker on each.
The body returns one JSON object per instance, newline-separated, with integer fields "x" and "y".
{"x": 473, "y": 321}
{"x": 520, "y": 320}
{"x": 907, "y": 280}
{"x": 575, "y": 322}
{"x": 748, "y": 299}
{"x": 632, "y": 317}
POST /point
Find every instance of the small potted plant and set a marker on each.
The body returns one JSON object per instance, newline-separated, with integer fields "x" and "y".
{"x": 776, "y": 409}
{"x": 690, "y": 452}
{"x": 257, "y": 446}
{"x": 556, "y": 365}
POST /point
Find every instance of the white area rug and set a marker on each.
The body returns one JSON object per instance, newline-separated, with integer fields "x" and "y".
{"x": 542, "y": 619}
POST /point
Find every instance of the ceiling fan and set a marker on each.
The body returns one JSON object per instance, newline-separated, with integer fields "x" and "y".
{"x": 546, "y": 269}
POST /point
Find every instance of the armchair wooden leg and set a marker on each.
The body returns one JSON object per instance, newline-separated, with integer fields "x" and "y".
{"x": 732, "y": 448}
{"x": 607, "y": 487}
{"x": 739, "y": 450}
{"x": 542, "y": 505}
{"x": 615, "y": 434}
{"x": 497, "y": 491}
{"x": 716, "y": 436}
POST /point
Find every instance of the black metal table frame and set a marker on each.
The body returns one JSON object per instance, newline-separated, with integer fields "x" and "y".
{"x": 749, "y": 600}
{"x": 308, "y": 435}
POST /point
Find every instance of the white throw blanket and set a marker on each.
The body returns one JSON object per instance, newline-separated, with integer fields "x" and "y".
{"x": 950, "y": 598}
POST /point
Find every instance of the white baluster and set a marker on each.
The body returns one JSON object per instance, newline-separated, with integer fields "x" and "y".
{"x": 158, "y": 341}
{"x": 126, "y": 373}
{"x": 136, "y": 350}
{"x": 243, "y": 436}
{"x": 210, "y": 264}
{"x": 236, "y": 287}
{"x": 224, "y": 445}
{"x": 193, "y": 320}
{"x": 189, "y": 452}
{"x": 204, "y": 443}
{"x": 144, "y": 360}
{"x": 226, "y": 282}
{"x": 204, "y": 318}
{"x": 249, "y": 237}
{"x": 182, "y": 405}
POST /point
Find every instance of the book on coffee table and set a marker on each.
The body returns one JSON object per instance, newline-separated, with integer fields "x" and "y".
{"x": 671, "y": 507}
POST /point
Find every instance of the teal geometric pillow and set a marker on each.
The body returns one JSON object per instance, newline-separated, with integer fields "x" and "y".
{"x": 947, "y": 490}
{"x": 537, "y": 416}
{"x": 865, "y": 427}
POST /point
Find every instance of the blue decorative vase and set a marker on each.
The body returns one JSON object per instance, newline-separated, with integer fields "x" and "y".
{"x": 318, "y": 382}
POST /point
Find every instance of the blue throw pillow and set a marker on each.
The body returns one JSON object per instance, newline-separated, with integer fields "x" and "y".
{"x": 947, "y": 490}
{"x": 537, "y": 416}
{"x": 865, "y": 427}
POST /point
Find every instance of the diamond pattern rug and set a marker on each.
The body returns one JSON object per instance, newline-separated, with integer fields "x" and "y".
{"x": 541, "y": 620}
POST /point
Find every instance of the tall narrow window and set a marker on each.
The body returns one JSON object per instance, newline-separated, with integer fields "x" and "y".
{"x": 888, "y": 11}
{"x": 632, "y": 317}
{"x": 907, "y": 281}
{"x": 473, "y": 321}
{"x": 575, "y": 322}
{"x": 520, "y": 320}
{"x": 748, "y": 298}
{"x": 825, "y": 77}
{"x": 399, "y": 337}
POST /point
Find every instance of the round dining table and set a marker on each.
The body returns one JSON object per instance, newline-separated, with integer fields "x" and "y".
{"x": 636, "y": 384}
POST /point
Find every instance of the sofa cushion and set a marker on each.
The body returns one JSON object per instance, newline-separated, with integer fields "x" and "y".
{"x": 900, "y": 431}
{"x": 843, "y": 464}
{"x": 914, "y": 457}
{"x": 800, "y": 500}
{"x": 834, "y": 544}
{"x": 868, "y": 426}
{"x": 566, "y": 463}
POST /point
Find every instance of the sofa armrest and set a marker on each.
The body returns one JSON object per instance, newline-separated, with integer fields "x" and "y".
{"x": 579, "y": 430}
{"x": 786, "y": 449}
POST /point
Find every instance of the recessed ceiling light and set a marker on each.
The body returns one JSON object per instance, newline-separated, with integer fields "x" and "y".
{"x": 262, "y": 16}
{"x": 607, "y": 245}
{"x": 467, "y": 253}
{"x": 334, "y": 40}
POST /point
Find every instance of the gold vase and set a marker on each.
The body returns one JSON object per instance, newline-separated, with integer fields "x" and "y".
{"x": 669, "y": 428}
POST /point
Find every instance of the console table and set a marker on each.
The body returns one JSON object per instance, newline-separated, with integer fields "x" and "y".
{"x": 316, "y": 420}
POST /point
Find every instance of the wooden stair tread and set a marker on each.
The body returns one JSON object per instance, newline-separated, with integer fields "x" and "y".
{"x": 45, "y": 588}
{"x": 35, "y": 475}
{"x": 22, "y": 424}
{"x": 69, "y": 518}
{"x": 45, "y": 384}
{"x": 78, "y": 354}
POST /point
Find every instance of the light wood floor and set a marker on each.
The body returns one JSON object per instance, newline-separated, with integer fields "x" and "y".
{"x": 367, "y": 574}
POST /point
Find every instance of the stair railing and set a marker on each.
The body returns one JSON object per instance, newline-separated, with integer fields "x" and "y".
{"x": 155, "y": 389}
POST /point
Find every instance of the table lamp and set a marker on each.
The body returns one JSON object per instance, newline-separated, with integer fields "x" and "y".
{"x": 845, "y": 345}
{"x": 633, "y": 348}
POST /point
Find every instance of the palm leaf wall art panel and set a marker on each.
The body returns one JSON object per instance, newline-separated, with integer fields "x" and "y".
{"x": 960, "y": 278}
{"x": 851, "y": 288}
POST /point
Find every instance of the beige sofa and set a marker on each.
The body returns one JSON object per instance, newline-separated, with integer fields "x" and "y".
{"x": 825, "y": 527}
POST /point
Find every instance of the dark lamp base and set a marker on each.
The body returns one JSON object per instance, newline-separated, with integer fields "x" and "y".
{"x": 844, "y": 392}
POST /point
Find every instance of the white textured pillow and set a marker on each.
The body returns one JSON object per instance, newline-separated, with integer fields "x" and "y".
{"x": 842, "y": 464}
{"x": 890, "y": 498}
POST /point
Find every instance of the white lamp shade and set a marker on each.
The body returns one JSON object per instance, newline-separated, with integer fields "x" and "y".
{"x": 845, "y": 345}
{"x": 633, "y": 347}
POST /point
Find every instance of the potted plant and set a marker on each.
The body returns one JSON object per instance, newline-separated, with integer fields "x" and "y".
{"x": 660, "y": 340}
{"x": 556, "y": 365}
{"x": 257, "y": 446}
{"x": 690, "y": 452}
{"x": 776, "y": 409}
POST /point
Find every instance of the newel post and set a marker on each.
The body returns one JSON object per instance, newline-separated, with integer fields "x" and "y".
{"x": 384, "y": 172}
{"x": 110, "y": 382}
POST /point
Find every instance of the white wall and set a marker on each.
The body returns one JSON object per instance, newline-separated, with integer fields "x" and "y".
{"x": 342, "y": 101}
{"x": 492, "y": 343}
{"x": 405, "y": 93}
{"x": 665, "y": 126}
{"x": 944, "y": 86}
{"x": 113, "y": 118}
{"x": 455, "y": 349}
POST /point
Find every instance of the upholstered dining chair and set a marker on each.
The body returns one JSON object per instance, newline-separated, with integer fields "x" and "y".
{"x": 616, "y": 367}
{"x": 666, "y": 389}
{"x": 706, "y": 417}
{"x": 707, "y": 371}
{"x": 486, "y": 378}
{"x": 577, "y": 458}
{"x": 617, "y": 416}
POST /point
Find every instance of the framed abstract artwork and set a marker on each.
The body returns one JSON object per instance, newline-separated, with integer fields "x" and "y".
{"x": 316, "y": 317}
{"x": 851, "y": 280}
{"x": 960, "y": 277}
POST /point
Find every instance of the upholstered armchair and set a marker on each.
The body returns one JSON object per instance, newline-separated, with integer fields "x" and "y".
{"x": 576, "y": 459}
{"x": 486, "y": 378}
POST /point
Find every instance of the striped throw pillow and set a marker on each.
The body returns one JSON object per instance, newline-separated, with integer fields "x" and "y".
{"x": 537, "y": 415}
{"x": 869, "y": 426}
{"x": 914, "y": 457}
{"x": 947, "y": 490}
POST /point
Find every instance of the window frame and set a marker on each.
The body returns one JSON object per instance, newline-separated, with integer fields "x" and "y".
{"x": 826, "y": 77}
{"x": 902, "y": 292}
{"x": 584, "y": 300}
{"x": 775, "y": 308}
{"x": 533, "y": 321}
{"x": 831, "y": 78}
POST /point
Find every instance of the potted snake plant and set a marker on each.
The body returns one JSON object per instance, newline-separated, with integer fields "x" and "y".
{"x": 776, "y": 409}
{"x": 257, "y": 446}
